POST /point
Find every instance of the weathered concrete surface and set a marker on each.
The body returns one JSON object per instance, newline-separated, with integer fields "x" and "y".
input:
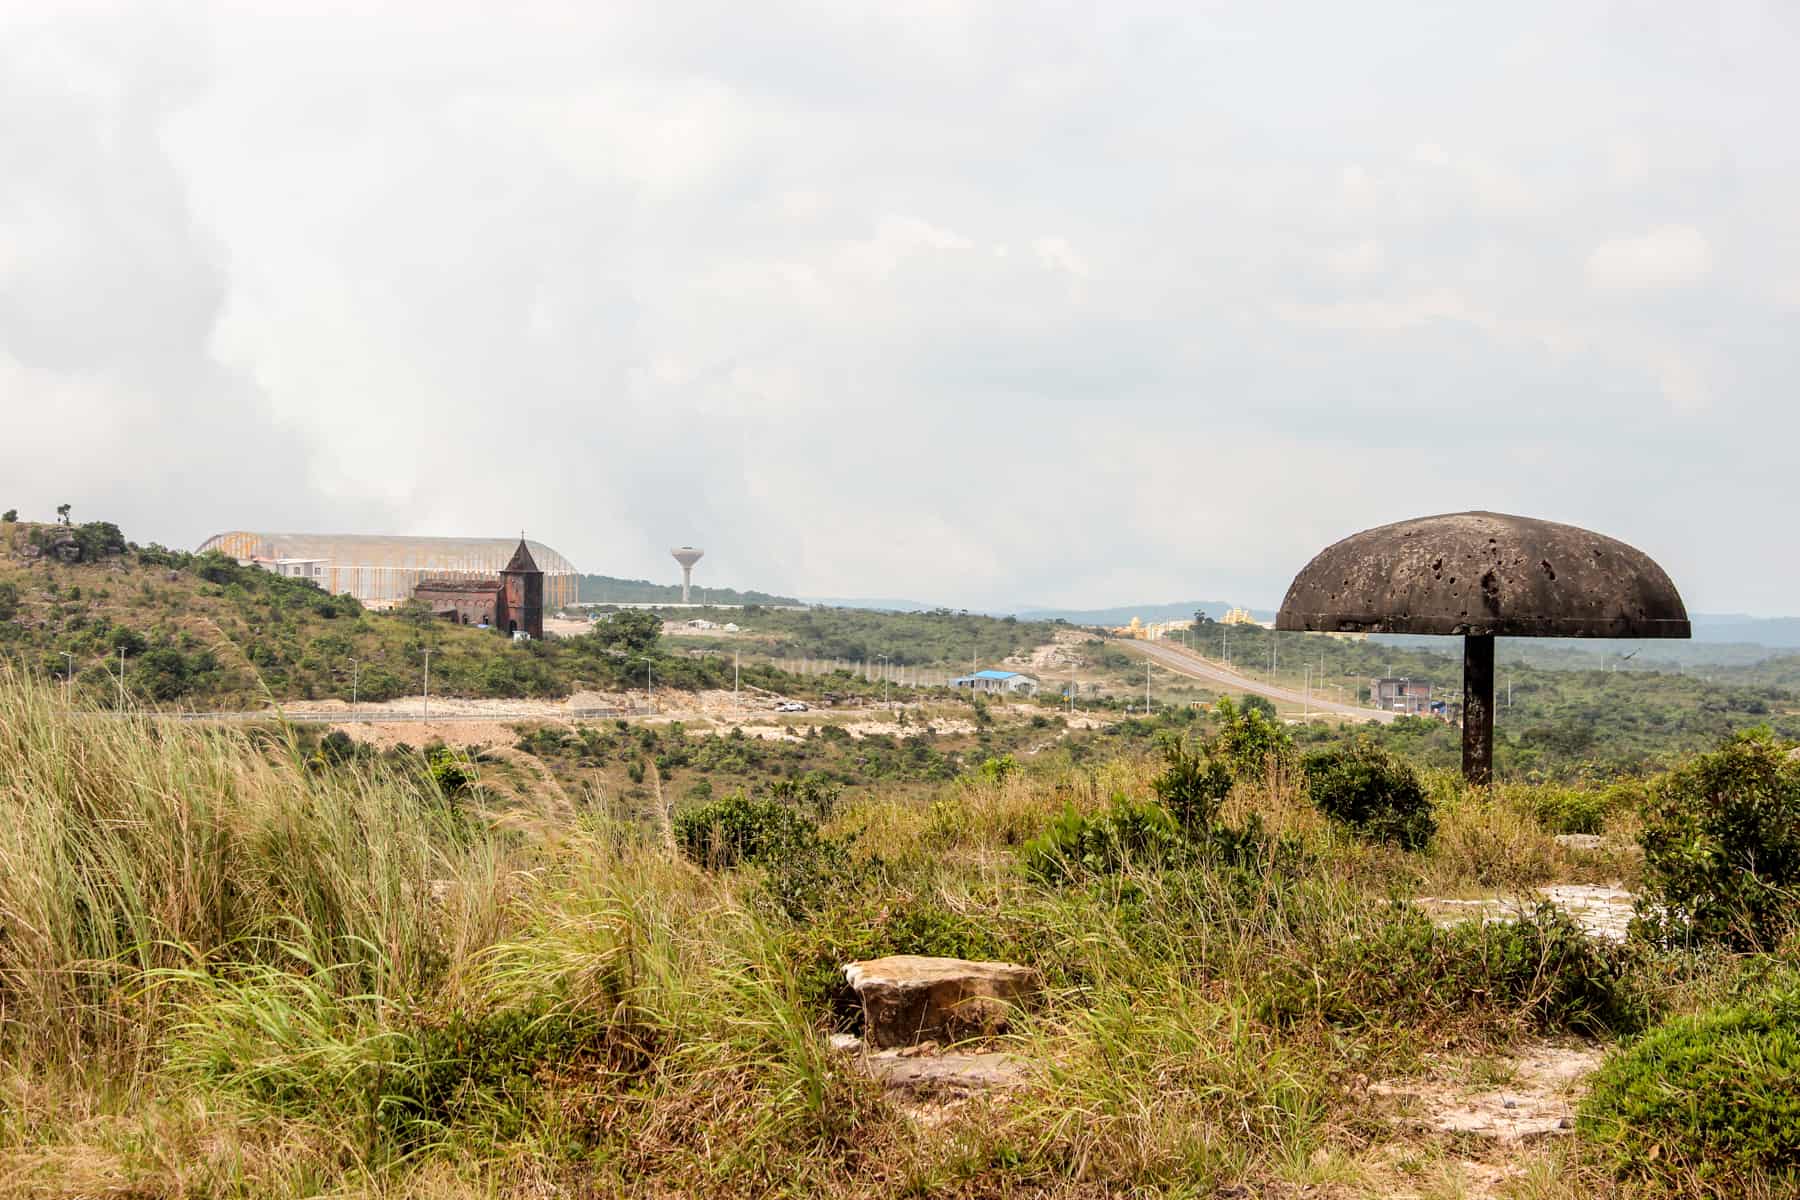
{"x": 1481, "y": 574}
{"x": 908, "y": 998}
{"x": 1600, "y": 910}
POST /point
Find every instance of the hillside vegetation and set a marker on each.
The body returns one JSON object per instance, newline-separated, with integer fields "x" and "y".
{"x": 202, "y": 631}
{"x": 959, "y": 640}
{"x": 606, "y": 589}
{"x": 1548, "y": 719}
{"x": 235, "y": 968}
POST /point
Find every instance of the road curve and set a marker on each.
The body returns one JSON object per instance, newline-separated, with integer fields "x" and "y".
{"x": 1183, "y": 661}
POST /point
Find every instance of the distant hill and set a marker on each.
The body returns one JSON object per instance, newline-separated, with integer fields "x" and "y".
{"x": 602, "y": 589}
{"x": 874, "y": 603}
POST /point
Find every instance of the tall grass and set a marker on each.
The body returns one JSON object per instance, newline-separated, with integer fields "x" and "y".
{"x": 226, "y": 970}
{"x": 131, "y": 846}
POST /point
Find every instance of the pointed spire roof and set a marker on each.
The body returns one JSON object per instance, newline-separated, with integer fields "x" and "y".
{"x": 521, "y": 559}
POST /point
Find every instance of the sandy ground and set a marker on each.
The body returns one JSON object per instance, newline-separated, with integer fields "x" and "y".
{"x": 715, "y": 712}
{"x": 1540, "y": 1084}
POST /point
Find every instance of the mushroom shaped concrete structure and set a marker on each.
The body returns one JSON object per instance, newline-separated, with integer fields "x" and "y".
{"x": 1484, "y": 575}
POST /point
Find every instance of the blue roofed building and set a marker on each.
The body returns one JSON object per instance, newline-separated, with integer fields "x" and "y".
{"x": 1004, "y": 682}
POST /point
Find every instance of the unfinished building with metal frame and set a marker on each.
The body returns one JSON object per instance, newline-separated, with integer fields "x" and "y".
{"x": 383, "y": 571}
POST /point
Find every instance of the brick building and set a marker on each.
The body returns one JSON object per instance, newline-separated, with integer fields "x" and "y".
{"x": 513, "y": 600}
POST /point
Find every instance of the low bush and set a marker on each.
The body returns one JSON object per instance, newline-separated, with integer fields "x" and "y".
{"x": 1371, "y": 791}
{"x": 1541, "y": 973}
{"x": 1130, "y": 832}
{"x": 1712, "y": 1099}
{"x": 1192, "y": 787}
{"x": 804, "y": 869}
{"x": 1249, "y": 742}
{"x": 287, "y": 1041}
{"x": 1721, "y": 843}
{"x": 1570, "y": 810}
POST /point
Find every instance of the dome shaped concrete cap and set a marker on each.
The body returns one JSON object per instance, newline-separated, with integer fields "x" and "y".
{"x": 1484, "y": 574}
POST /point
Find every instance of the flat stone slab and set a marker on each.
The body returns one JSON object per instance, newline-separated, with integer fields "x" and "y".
{"x": 1601, "y": 911}
{"x": 926, "y": 1071}
{"x": 908, "y": 999}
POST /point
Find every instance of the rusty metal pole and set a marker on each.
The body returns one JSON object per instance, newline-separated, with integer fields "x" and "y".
{"x": 1478, "y": 708}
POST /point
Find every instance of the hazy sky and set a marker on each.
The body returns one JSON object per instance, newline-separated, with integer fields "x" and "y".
{"x": 981, "y": 304}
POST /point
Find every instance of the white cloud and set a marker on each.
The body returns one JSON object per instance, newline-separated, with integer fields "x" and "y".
{"x": 1671, "y": 256}
{"x": 1356, "y": 259}
{"x": 784, "y": 285}
{"x": 1058, "y": 255}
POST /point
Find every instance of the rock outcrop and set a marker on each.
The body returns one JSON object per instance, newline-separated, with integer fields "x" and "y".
{"x": 908, "y": 999}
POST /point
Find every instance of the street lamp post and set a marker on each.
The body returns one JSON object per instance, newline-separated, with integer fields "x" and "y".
{"x": 354, "y": 671}
{"x": 428, "y": 683}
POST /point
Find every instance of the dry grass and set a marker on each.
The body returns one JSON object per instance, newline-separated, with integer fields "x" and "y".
{"x": 227, "y": 972}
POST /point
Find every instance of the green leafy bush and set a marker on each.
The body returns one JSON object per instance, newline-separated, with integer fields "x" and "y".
{"x": 1542, "y": 972}
{"x": 1570, "y": 810}
{"x": 1371, "y": 791}
{"x": 1249, "y": 741}
{"x": 1721, "y": 846}
{"x": 1131, "y": 832}
{"x": 999, "y": 769}
{"x": 804, "y": 868}
{"x": 1192, "y": 786}
{"x": 452, "y": 774}
{"x": 1710, "y": 1097}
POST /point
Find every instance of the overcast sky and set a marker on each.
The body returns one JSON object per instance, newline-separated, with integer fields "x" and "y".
{"x": 970, "y": 303}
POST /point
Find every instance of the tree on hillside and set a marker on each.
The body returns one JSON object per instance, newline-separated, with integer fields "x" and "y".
{"x": 11, "y": 514}
{"x": 62, "y": 513}
{"x": 633, "y": 630}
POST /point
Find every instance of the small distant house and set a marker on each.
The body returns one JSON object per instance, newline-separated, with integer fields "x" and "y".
{"x": 1004, "y": 682}
{"x": 1391, "y": 694}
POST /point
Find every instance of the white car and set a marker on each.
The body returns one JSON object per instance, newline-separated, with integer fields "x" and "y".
{"x": 790, "y": 706}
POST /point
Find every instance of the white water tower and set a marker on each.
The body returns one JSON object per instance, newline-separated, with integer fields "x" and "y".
{"x": 687, "y": 556}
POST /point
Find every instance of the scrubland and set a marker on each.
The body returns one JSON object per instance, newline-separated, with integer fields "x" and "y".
{"x": 230, "y": 967}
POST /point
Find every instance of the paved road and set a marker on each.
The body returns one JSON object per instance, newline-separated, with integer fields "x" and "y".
{"x": 1183, "y": 661}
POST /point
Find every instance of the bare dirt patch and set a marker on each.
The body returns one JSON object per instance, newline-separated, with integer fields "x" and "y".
{"x": 1539, "y": 1086}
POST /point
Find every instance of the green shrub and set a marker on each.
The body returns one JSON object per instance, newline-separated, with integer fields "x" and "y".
{"x": 804, "y": 869}
{"x": 1721, "y": 843}
{"x": 1131, "y": 832}
{"x": 740, "y": 829}
{"x": 1713, "y": 1096}
{"x": 1373, "y": 792}
{"x": 1191, "y": 786}
{"x": 450, "y": 773}
{"x": 1249, "y": 741}
{"x": 1570, "y": 810}
{"x": 9, "y": 600}
{"x": 999, "y": 769}
{"x": 1542, "y": 972}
